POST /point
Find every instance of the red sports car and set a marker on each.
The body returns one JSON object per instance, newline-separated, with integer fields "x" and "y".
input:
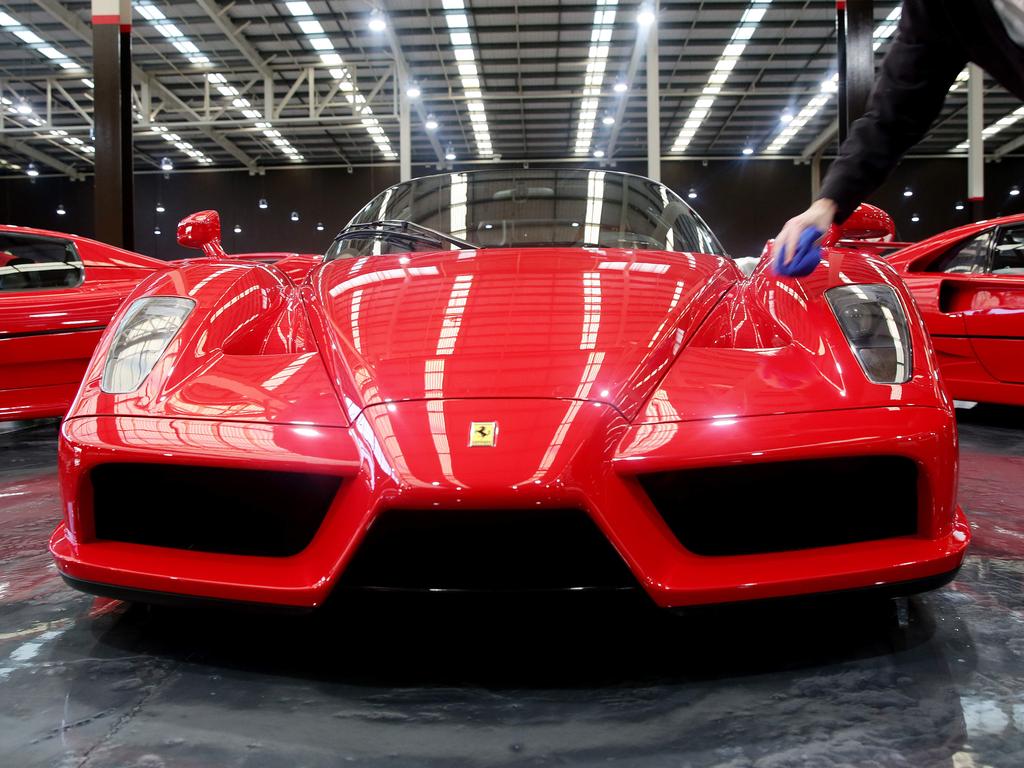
{"x": 57, "y": 294}
{"x": 511, "y": 380}
{"x": 969, "y": 285}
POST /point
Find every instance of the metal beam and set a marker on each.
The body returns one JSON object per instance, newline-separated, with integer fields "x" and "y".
{"x": 176, "y": 103}
{"x": 653, "y": 101}
{"x": 854, "y": 33}
{"x": 1009, "y": 147}
{"x": 112, "y": 110}
{"x": 234, "y": 34}
{"x": 71, "y": 20}
{"x": 976, "y": 137}
{"x": 41, "y": 157}
{"x": 820, "y": 141}
{"x": 421, "y": 112}
{"x": 639, "y": 47}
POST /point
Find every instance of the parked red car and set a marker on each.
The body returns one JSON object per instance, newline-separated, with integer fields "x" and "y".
{"x": 516, "y": 379}
{"x": 57, "y": 295}
{"x": 969, "y": 285}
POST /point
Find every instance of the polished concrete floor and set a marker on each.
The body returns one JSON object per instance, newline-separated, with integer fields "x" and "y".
{"x": 414, "y": 681}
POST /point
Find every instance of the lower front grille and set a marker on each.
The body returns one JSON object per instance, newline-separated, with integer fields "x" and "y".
{"x": 783, "y": 506}
{"x": 516, "y": 549}
{"x": 210, "y": 509}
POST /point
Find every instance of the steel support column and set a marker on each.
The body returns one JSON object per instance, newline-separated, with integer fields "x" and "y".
{"x": 112, "y": 67}
{"x": 976, "y": 151}
{"x": 404, "y": 130}
{"x": 653, "y": 100}
{"x": 855, "y": 35}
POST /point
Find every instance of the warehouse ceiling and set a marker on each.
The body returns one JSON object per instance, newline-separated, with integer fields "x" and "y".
{"x": 258, "y": 84}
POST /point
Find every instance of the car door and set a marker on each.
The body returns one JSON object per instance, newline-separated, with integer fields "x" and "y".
{"x": 51, "y": 316}
{"x": 991, "y": 301}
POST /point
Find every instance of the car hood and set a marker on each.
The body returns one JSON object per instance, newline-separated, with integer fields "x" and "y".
{"x": 589, "y": 324}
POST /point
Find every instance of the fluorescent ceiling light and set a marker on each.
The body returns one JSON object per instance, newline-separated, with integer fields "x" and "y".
{"x": 720, "y": 74}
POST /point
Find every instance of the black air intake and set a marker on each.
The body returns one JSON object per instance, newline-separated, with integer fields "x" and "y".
{"x": 782, "y": 506}
{"x": 493, "y": 549}
{"x": 208, "y": 509}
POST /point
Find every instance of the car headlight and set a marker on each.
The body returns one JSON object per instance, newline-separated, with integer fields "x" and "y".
{"x": 875, "y": 324}
{"x": 141, "y": 339}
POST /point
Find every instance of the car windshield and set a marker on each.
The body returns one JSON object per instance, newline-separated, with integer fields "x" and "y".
{"x": 529, "y": 208}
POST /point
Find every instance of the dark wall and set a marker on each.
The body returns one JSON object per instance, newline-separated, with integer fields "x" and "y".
{"x": 745, "y": 201}
{"x": 330, "y": 196}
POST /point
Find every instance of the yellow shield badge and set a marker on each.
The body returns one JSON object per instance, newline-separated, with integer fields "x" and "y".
{"x": 483, "y": 434}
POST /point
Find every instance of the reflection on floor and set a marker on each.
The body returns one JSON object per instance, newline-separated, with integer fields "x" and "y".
{"x": 410, "y": 681}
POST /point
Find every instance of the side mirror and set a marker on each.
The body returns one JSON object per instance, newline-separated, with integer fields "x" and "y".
{"x": 867, "y": 223}
{"x": 202, "y": 231}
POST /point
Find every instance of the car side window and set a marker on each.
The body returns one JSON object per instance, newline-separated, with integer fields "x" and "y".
{"x": 1008, "y": 258}
{"x": 35, "y": 263}
{"x": 969, "y": 257}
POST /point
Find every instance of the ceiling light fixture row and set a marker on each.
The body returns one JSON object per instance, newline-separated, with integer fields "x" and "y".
{"x": 469, "y": 74}
{"x": 593, "y": 80}
{"x": 829, "y": 87}
{"x": 322, "y": 44}
{"x": 720, "y": 74}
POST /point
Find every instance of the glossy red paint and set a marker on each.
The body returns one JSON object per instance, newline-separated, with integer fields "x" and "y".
{"x": 867, "y": 222}
{"x": 976, "y": 320}
{"x": 598, "y": 365}
{"x": 48, "y": 336}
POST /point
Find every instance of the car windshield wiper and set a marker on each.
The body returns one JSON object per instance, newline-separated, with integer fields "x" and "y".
{"x": 394, "y": 229}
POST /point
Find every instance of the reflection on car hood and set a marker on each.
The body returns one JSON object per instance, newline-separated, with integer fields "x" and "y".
{"x": 593, "y": 324}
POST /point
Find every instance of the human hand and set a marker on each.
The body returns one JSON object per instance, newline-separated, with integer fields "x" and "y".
{"x": 818, "y": 218}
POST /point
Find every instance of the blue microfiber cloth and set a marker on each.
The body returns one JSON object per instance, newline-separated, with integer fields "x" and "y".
{"x": 807, "y": 257}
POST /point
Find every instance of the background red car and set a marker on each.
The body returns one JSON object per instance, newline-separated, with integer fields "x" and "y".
{"x": 969, "y": 284}
{"x": 57, "y": 294}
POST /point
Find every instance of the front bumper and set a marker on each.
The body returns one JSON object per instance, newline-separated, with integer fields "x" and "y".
{"x": 559, "y": 459}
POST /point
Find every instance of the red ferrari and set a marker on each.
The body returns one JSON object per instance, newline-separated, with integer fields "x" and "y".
{"x": 57, "y": 294}
{"x": 511, "y": 380}
{"x": 969, "y": 286}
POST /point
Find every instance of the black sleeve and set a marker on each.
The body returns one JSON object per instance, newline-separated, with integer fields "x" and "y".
{"x": 908, "y": 94}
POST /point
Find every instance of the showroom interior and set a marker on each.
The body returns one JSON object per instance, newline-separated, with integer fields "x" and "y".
{"x": 120, "y": 118}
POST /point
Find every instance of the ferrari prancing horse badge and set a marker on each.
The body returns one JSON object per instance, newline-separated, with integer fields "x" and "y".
{"x": 482, "y": 434}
